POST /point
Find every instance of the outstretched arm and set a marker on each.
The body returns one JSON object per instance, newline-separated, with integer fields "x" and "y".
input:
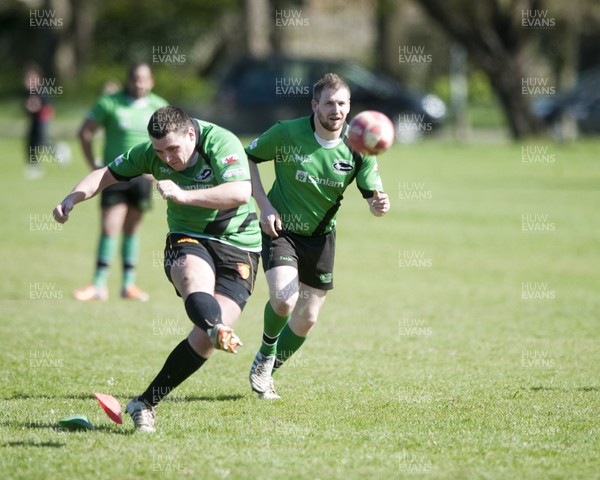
{"x": 90, "y": 185}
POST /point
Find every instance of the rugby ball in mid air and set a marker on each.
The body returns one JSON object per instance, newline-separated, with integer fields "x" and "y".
{"x": 371, "y": 132}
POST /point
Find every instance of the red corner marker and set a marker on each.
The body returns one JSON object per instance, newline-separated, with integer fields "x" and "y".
{"x": 110, "y": 405}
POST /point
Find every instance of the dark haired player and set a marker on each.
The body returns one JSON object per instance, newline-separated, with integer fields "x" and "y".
{"x": 313, "y": 167}
{"x": 211, "y": 252}
{"x": 124, "y": 116}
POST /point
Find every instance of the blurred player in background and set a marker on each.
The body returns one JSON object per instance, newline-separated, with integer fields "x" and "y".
{"x": 124, "y": 116}
{"x": 212, "y": 249}
{"x": 314, "y": 165}
{"x": 40, "y": 111}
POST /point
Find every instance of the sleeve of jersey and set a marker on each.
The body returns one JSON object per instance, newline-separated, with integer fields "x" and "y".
{"x": 228, "y": 159}
{"x": 368, "y": 179}
{"x": 264, "y": 148}
{"x": 132, "y": 163}
{"x": 99, "y": 111}
{"x": 159, "y": 101}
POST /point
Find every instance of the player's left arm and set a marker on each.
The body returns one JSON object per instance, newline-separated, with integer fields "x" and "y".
{"x": 222, "y": 196}
{"x": 379, "y": 204}
{"x": 370, "y": 185}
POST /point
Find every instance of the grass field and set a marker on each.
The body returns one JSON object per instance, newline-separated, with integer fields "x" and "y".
{"x": 461, "y": 341}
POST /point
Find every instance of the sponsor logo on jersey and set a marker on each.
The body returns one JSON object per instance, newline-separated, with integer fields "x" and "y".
{"x": 253, "y": 144}
{"x": 165, "y": 170}
{"x": 304, "y": 177}
{"x": 285, "y": 258}
{"x": 204, "y": 175}
{"x": 187, "y": 240}
{"x": 244, "y": 270}
{"x": 230, "y": 159}
{"x": 234, "y": 173}
{"x": 343, "y": 167}
{"x": 119, "y": 160}
{"x": 301, "y": 176}
{"x": 196, "y": 186}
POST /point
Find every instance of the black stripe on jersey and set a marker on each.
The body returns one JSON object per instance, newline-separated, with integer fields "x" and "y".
{"x": 329, "y": 214}
{"x": 256, "y": 159}
{"x": 358, "y": 161}
{"x": 119, "y": 177}
{"x": 200, "y": 142}
{"x": 247, "y": 221}
{"x": 221, "y": 221}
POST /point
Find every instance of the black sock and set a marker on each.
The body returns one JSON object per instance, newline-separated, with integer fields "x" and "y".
{"x": 180, "y": 364}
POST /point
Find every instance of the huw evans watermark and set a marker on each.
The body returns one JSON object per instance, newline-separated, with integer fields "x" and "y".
{"x": 537, "y": 154}
{"x": 413, "y": 463}
{"x": 536, "y": 358}
{"x": 45, "y": 86}
{"x": 536, "y": 86}
{"x": 290, "y": 154}
{"x": 291, "y": 87}
{"x": 290, "y": 18}
{"x": 537, "y": 291}
{"x": 44, "y": 359}
{"x": 167, "y": 54}
{"x": 44, "y": 18}
{"x": 413, "y": 327}
{"x": 537, "y": 19}
{"x": 44, "y": 291}
{"x": 537, "y": 222}
{"x": 414, "y": 259}
{"x": 413, "y": 55}
{"x": 414, "y": 191}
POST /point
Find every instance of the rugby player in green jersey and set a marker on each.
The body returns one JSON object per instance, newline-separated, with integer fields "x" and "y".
{"x": 313, "y": 167}
{"x": 124, "y": 116}
{"x": 213, "y": 245}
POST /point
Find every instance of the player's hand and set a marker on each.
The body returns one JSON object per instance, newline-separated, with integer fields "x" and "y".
{"x": 270, "y": 221}
{"x": 169, "y": 189}
{"x": 62, "y": 210}
{"x": 380, "y": 203}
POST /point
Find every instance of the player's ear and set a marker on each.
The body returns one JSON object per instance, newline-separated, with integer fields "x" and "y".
{"x": 314, "y": 104}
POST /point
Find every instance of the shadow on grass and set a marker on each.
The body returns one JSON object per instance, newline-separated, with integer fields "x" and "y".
{"x": 204, "y": 398}
{"x": 540, "y": 388}
{"x": 57, "y": 428}
{"x": 22, "y": 443}
{"x": 88, "y": 396}
{"x": 68, "y": 396}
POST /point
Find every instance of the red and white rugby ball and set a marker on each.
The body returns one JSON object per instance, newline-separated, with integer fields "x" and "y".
{"x": 371, "y": 132}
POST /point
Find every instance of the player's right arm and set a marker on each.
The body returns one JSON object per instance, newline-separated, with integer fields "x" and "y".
{"x": 270, "y": 221}
{"x": 263, "y": 149}
{"x": 90, "y": 185}
{"x": 86, "y": 135}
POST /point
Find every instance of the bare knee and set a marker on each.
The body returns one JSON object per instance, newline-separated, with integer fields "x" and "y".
{"x": 304, "y": 320}
{"x": 283, "y": 305}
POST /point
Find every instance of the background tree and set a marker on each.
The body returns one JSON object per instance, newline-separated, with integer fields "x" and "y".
{"x": 493, "y": 34}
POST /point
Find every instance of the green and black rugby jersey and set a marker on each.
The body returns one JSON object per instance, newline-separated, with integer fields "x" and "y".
{"x": 221, "y": 159}
{"x": 310, "y": 178}
{"x": 125, "y": 120}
